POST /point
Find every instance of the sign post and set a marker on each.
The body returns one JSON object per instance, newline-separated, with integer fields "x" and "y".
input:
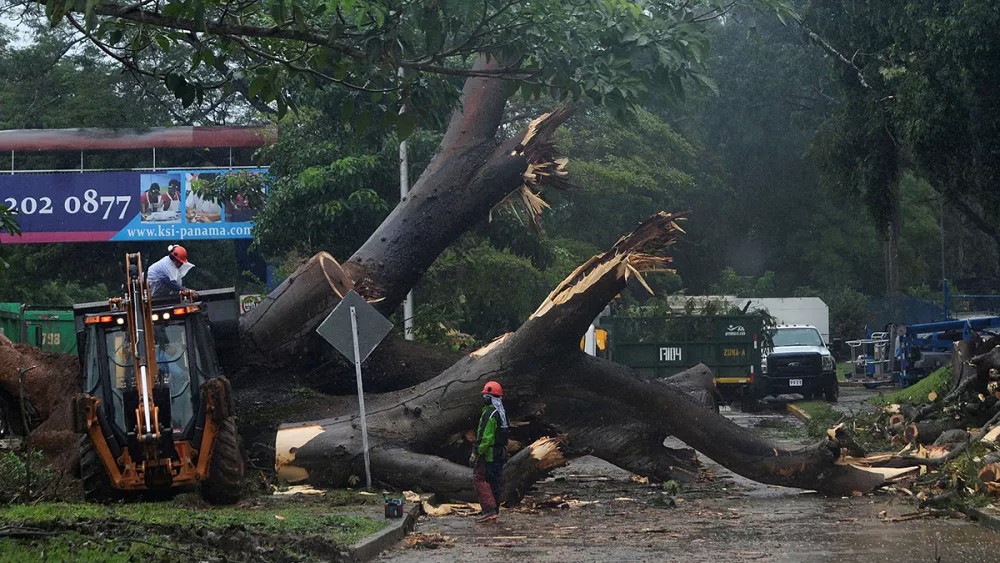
{"x": 361, "y": 396}
{"x": 367, "y": 329}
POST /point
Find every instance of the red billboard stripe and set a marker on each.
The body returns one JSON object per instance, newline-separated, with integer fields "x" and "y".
{"x": 124, "y": 139}
{"x": 28, "y": 238}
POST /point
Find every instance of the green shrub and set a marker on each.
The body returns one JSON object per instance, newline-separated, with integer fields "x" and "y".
{"x": 26, "y": 478}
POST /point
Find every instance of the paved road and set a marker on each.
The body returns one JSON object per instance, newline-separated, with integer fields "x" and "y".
{"x": 609, "y": 517}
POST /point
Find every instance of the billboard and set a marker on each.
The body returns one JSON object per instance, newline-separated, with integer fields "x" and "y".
{"x": 121, "y": 206}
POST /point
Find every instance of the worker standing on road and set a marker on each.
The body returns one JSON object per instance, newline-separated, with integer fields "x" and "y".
{"x": 490, "y": 452}
{"x": 165, "y": 274}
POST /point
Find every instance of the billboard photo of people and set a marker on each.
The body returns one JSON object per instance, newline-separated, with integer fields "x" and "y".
{"x": 156, "y": 202}
{"x": 129, "y": 205}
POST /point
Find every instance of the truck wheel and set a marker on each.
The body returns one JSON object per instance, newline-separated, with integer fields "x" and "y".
{"x": 832, "y": 392}
{"x": 96, "y": 483}
{"x": 225, "y": 473}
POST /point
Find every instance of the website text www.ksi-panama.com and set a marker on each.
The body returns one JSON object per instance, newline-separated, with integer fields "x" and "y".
{"x": 182, "y": 232}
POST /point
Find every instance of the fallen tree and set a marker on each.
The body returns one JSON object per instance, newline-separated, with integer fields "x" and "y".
{"x": 598, "y": 406}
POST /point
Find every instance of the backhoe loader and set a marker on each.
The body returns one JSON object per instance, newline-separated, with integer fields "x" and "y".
{"x": 155, "y": 413}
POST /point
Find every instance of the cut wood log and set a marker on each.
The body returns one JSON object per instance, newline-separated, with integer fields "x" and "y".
{"x": 990, "y": 472}
{"x": 927, "y": 432}
{"x": 992, "y": 435}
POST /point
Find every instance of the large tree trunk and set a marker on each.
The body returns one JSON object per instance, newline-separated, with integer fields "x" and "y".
{"x": 469, "y": 175}
{"x": 601, "y": 407}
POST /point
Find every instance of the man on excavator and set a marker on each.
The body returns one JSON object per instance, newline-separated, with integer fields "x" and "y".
{"x": 165, "y": 274}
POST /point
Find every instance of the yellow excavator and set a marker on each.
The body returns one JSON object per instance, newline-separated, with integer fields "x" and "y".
{"x": 156, "y": 413}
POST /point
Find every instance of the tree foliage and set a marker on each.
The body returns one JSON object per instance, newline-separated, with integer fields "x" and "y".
{"x": 640, "y": 164}
{"x": 927, "y": 103}
{"x": 402, "y": 56}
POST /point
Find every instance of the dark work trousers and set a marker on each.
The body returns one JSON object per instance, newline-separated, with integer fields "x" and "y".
{"x": 488, "y": 479}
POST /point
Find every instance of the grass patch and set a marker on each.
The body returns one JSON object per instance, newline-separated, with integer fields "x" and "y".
{"x": 844, "y": 368}
{"x": 337, "y": 523}
{"x": 277, "y": 528}
{"x": 917, "y": 393}
{"x": 821, "y": 417}
{"x": 74, "y": 546}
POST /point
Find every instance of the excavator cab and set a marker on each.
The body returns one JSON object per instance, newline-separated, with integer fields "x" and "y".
{"x": 156, "y": 412}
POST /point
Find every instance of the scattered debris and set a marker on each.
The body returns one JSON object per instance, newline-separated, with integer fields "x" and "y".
{"x": 299, "y": 490}
{"x": 431, "y": 540}
{"x": 459, "y": 509}
{"x": 905, "y": 517}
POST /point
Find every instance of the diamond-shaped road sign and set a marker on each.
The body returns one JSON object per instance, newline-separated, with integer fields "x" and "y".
{"x": 372, "y": 327}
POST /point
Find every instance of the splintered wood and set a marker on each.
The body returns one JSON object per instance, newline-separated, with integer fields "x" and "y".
{"x": 641, "y": 251}
{"x": 544, "y": 169}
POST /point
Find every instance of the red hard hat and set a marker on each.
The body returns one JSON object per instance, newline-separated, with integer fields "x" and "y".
{"x": 178, "y": 253}
{"x": 493, "y": 388}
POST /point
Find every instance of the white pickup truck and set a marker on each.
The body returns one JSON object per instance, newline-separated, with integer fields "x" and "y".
{"x": 800, "y": 362}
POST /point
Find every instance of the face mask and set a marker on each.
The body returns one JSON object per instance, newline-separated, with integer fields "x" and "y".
{"x": 487, "y": 400}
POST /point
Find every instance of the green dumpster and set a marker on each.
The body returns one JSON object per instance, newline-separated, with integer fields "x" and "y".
{"x": 663, "y": 346}
{"x": 51, "y": 329}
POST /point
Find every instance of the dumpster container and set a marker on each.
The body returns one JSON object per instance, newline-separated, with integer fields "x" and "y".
{"x": 49, "y": 328}
{"x": 663, "y": 346}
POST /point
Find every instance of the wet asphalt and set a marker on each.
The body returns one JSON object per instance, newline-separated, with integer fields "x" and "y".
{"x": 594, "y": 511}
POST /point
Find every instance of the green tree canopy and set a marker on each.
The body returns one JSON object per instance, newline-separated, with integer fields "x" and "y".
{"x": 609, "y": 51}
{"x": 918, "y": 95}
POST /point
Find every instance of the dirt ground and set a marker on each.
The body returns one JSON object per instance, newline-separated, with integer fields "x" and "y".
{"x": 593, "y": 511}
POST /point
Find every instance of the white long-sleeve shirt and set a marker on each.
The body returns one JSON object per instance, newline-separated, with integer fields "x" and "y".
{"x": 165, "y": 278}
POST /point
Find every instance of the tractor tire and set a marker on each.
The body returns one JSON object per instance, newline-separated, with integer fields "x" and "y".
{"x": 11, "y": 423}
{"x": 224, "y": 484}
{"x": 832, "y": 392}
{"x": 96, "y": 483}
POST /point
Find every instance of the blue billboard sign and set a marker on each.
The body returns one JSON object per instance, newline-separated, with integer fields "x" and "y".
{"x": 121, "y": 206}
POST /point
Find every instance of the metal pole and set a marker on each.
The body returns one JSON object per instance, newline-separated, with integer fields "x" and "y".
{"x": 27, "y": 433}
{"x": 361, "y": 397}
{"x": 944, "y": 278}
{"x": 404, "y": 188}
